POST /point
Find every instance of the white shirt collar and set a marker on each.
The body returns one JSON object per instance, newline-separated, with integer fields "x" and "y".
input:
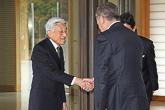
{"x": 54, "y": 44}
{"x": 113, "y": 24}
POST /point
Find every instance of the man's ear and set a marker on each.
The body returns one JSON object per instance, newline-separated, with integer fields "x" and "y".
{"x": 49, "y": 33}
{"x": 102, "y": 20}
{"x": 134, "y": 28}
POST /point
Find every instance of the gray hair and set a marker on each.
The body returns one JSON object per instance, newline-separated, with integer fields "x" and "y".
{"x": 107, "y": 10}
{"x": 52, "y": 22}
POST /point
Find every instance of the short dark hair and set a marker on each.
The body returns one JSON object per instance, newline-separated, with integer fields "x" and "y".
{"x": 107, "y": 10}
{"x": 128, "y": 19}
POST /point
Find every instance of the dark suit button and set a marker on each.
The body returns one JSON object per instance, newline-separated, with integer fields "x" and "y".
{"x": 102, "y": 86}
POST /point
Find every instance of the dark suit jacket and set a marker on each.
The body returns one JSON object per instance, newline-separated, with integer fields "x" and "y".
{"x": 117, "y": 70}
{"x": 149, "y": 67}
{"x": 47, "y": 91}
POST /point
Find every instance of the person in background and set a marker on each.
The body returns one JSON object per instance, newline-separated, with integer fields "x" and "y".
{"x": 47, "y": 89}
{"x": 149, "y": 69}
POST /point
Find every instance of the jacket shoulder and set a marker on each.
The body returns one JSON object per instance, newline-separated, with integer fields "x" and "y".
{"x": 146, "y": 40}
{"x": 42, "y": 43}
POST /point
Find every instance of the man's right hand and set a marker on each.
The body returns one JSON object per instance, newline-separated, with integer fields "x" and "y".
{"x": 84, "y": 84}
{"x": 89, "y": 80}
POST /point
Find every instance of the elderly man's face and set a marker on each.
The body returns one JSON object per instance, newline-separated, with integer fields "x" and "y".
{"x": 59, "y": 35}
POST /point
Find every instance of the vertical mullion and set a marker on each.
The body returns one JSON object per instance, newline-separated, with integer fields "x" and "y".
{"x": 121, "y": 6}
{"x": 83, "y": 49}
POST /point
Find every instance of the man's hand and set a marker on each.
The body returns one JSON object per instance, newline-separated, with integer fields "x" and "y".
{"x": 65, "y": 107}
{"x": 90, "y": 80}
{"x": 84, "y": 84}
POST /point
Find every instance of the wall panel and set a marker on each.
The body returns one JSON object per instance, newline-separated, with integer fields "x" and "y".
{"x": 7, "y": 45}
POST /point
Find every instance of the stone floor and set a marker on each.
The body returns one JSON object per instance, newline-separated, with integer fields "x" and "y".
{"x": 19, "y": 101}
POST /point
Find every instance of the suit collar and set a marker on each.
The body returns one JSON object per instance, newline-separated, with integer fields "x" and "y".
{"x": 50, "y": 46}
{"x": 54, "y": 44}
{"x": 113, "y": 24}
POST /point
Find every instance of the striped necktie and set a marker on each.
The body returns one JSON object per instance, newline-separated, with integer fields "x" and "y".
{"x": 58, "y": 51}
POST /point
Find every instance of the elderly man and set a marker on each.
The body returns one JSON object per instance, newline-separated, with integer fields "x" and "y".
{"x": 47, "y": 91}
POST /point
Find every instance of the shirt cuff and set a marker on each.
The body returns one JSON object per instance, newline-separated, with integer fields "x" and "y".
{"x": 72, "y": 83}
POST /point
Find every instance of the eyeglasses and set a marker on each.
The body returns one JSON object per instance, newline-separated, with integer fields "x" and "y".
{"x": 63, "y": 31}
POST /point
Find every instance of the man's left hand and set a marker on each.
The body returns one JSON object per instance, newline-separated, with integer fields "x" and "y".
{"x": 65, "y": 107}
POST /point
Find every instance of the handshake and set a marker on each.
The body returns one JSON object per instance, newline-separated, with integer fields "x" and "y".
{"x": 86, "y": 84}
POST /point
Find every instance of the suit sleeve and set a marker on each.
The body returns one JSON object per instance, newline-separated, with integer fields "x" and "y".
{"x": 41, "y": 60}
{"x": 152, "y": 66}
{"x": 101, "y": 62}
{"x": 64, "y": 97}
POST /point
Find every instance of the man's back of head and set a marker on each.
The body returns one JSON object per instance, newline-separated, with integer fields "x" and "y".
{"x": 106, "y": 14}
{"x": 107, "y": 10}
{"x": 127, "y": 18}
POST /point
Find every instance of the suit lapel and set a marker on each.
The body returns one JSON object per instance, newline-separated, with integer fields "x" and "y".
{"x": 53, "y": 53}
